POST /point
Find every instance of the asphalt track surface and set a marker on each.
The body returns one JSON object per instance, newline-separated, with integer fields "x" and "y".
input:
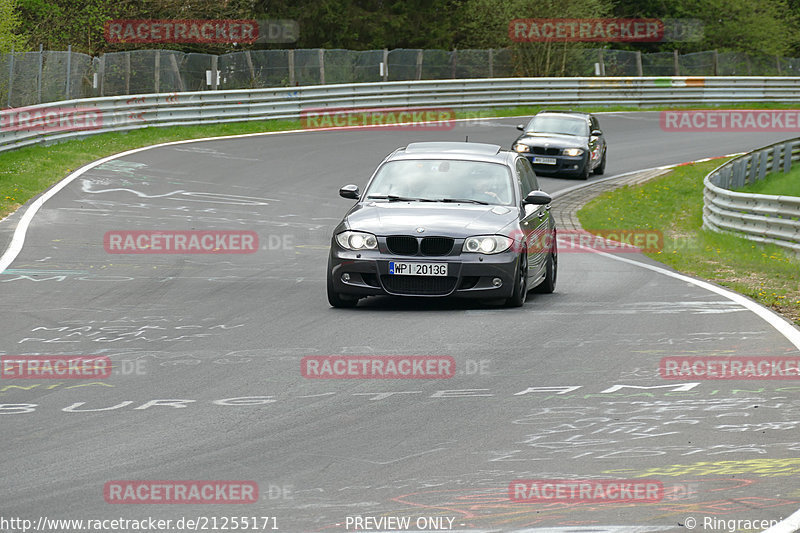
{"x": 562, "y": 388}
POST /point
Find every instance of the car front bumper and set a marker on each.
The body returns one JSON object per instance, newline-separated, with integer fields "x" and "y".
{"x": 565, "y": 165}
{"x": 468, "y": 275}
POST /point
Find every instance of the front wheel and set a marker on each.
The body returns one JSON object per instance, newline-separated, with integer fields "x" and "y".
{"x": 601, "y": 168}
{"x": 521, "y": 284}
{"x": 549, "y": 284}
{"x": 584, "y": 175}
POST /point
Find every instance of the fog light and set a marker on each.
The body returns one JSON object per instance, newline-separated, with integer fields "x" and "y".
{"x": 497, "y": 282}
{"x": 345, "y": 277}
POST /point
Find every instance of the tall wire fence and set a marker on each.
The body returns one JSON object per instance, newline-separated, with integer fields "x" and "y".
{"x": 45, "y": 76}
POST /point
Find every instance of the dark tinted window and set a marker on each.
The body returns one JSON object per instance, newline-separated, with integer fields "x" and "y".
{"x": 527, "y": 176}
{"x": 437, "y": 179}
{"x": 564, "y": 125}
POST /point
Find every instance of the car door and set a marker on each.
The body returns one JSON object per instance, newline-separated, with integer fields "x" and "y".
{"x": 535, "y": 221}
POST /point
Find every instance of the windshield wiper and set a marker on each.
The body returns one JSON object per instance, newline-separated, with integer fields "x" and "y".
{"x": 395, "y": 198}
{"x": 462, "y": 201}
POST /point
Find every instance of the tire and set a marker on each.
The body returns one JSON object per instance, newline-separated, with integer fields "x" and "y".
{"x": 601, "y": 168}
{"x": 584, "y": 175}
{"x": 549, "y": 284}
{"x": 337, "y": 300}
{"x": 521, "y": 284}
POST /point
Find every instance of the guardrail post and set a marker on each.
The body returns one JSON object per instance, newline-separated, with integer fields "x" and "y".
{"x": 127, "y": 73}
{"x": 249, "y": 67}
{"x": 787, "y": 156}
{"x": 158, "y": 71}
{"x": 762, "y": 167}
{"x": 214, "y": 75}
{"x": 321, "y": 56}
{"x": 419, "y": 64}
{"x": 10, "y": 74}
{"x": 69, "y": 71}
{"x": 776, "y": 158}
{"x": 639, "y": 69}
{"x": 754, "y": 163}
{"x": 102, "y": 75}
{"x": 738, "y": 173}
{"x": 291, "y": 68}
{"x": 174, "y": 64}
{"x": 39, "y": 76}
{"x": 676, "y": 59}
{"x": 601, "y": 62}
{"x": 385, "y": 76}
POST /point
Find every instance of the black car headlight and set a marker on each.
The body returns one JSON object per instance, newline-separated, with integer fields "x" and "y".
{"x": 519, "y": 147}
{"x": 487, "y": 244}
{"x": 357, "y": 240}
{"x": 573, "y": 152}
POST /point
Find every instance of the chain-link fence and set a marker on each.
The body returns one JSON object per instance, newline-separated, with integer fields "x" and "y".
{"x": 36, "y": 77}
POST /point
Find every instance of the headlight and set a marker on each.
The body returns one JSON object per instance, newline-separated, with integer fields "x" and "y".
{"x": 487, "y": 244}
{"x": 519, "y": 147}
{"x": 357, "y": 240}
{"x": 572, "y": 151}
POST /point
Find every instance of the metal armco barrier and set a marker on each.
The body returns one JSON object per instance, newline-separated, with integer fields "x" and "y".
{"x": 757, "y": 217}
{"x": 74, "y": 118}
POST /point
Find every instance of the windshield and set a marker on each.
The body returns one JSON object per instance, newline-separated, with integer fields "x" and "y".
{"x": 557, "y": 124}
{"x": 442, "y": 180}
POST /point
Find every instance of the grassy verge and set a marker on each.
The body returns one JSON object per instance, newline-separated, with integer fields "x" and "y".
{"x": 673, "y": 204}
{"x": 778, "y": 184}
{"x": 26, "y": 172}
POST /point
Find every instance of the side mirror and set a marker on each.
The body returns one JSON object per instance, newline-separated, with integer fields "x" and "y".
{"x": 521, "y": 127}
{"x": 350, "y": 191}
{"x": 596, "y": 133}
{"x": 537, "y": 198}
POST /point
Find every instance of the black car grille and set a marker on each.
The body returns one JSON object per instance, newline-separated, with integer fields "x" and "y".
{"x": 402, "y": 245}
{"x": 407, "y": 245}
{"x": 419, "y": 285}
{"x": 541, "y": 150}
{"x": 436, "y": 245}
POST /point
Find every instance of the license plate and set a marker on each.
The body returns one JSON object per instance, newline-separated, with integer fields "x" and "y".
{"x": 417, "y": 269}
{"x": 544, "y": 160}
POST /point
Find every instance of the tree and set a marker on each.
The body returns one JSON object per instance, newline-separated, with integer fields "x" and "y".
{"x": 9, "y": 24}
{"x": 485, "y": 25}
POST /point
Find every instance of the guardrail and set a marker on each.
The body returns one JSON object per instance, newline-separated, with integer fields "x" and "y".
{"x": 757, "y": 217}
{"x": 74, "y": 118}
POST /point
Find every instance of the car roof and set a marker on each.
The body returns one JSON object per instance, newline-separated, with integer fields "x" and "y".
{"x": 465, "y": 151}
{"x": 577, "y": 114}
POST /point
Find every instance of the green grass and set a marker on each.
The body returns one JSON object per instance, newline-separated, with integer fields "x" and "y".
{"x": 673, "y": 204}
{"x": 778, "y": 184}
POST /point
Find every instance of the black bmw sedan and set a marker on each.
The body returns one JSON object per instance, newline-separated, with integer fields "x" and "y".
{"x": 563, "y": 143}
{"x": 440, "y": 219}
